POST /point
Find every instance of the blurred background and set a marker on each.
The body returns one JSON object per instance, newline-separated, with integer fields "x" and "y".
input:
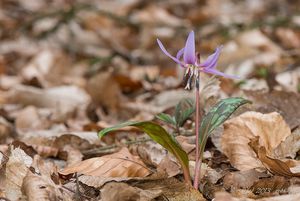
{"x": 103, "y": 54}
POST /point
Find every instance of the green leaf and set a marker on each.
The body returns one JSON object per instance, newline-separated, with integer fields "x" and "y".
{"x": 159, "y": 135}
{"x": 218, "y": 114}
{"x": 166, "y": 118}
{"x": 183, "y": 110}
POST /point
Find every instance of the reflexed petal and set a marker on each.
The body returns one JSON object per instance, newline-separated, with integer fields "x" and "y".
{"x": 216, "y": 72}
{"x": 180, "y": 53}
{"x": 189, "y": 56}
{"x": 211, "y": 61}
{"x": 168, "y": 54}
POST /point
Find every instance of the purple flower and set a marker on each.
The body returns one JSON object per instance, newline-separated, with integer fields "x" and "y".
{"x": 192, "y": 63}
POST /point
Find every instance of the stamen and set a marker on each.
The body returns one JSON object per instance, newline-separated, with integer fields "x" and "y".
{"x": 189, "y": 77}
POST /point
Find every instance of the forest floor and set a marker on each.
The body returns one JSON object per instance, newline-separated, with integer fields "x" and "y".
{"x": 71, "y": 68}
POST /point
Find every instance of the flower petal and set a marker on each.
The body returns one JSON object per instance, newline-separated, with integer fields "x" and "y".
{"x": 189, "y": 56}
{"x": 168, "y": 54}
{"x": 216, "y": 72}
{"x": 211, "y": 61}
{"x": 180, "y": 53}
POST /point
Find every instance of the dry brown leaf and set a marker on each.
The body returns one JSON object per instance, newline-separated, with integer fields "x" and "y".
{"x": 285, "y": 103}
{"x": 48, "y": 67}
{"x": 46, "y": 151}
{"x": 271, "y": 186}
{"x": 168, "y": 166}
{"x": 151, "y": 153}
{"x": 104, "y": 82}
{"x": 59, "y": 139}
{"x": 120, "y": 164}
{"x": 288, "y": 37}
{"x": 30, "y": 118}
{"x": 224, "y": 196}
{"x": 17, "y": 168}
{"x": 154, "y": 14}
{"x": 6, "y": 129}
{"x": 290, "y": 146}
{"x": 35, "y": 187}
{"x": 38, "y": 184}
{"x": 242, "y": 179}
{"x": 274, "y": 165}
{"x": 173, "y": 189}
{"x": 98, "y": 181}
{"x": 289, "y": 80}
{"x": 114, "y": 191}
{"x": 238, "y": 132}
{"x": 64, "y": 100}
{"x": 74, "y": 155}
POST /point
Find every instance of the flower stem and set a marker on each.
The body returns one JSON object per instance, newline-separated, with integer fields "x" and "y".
{"x": 197, "y": 121}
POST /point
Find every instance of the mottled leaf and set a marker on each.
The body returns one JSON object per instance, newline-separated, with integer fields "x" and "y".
{"x": 159, "y": 135}
{"x": 166, "y": 118}
{"x": 218, "y": 114}
{"x": 183, "y": 110}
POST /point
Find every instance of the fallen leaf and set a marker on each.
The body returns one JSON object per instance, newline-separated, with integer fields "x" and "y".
{"x": 30, "y": 118}
{"x": 274, "y": 165}
{"x": 288, "y": 37}
{"x": 74, "y": 155}
{"x": 238, "y": 132}
{"x": 64, "y": 100}
{"x": 104, "y": 82}
{"x": 267, "y": 187}
{"x": 290, "y": 146}
{"x": 17, "y": 168}
{"x": 114, "y": 191}
{"x": 172, "y": 189}
{"x": 6, "y": 129}
{"x": 151, "y": 153}
{"x": 224, "y": 196}
{"x": 120, "y": 164}
{"x": 285, "y": 103}
{"x": 57, "y": 138}
{"x": 168, "y": 166}
{"x": 242, "y": 179}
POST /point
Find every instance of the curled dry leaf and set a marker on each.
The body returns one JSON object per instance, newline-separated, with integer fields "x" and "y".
{"x": 238, "y": 132}
{"x": 120, "y": 164}
{"x": 274, "y": 165}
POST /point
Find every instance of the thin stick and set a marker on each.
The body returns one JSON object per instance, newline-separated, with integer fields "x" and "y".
{"x": 197, "y": 120}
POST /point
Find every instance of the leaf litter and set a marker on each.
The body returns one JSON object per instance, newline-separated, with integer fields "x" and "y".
{"x": 69, "y": 69}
